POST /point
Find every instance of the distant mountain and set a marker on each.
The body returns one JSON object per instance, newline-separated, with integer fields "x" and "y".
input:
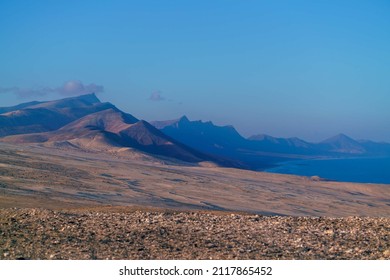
{"x": 202, "y": 135}
{"x": 375, "y": 148}
{"x": 341, "y": 143}
{"x": 223, "y": 141}
{"x": 261, "y": 151}
{"x": 293, "y": 145}
{"x": 173, "y": 123}
{"x": 226, "y": 141}
{"x": 36, "y": 117}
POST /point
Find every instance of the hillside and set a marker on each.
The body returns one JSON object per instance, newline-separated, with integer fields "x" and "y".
{"x": 35, "y": 117}
{"x": 84, "y": 122}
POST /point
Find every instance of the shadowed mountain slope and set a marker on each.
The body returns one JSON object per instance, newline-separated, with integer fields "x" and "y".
{"x": 204, "y": 135}
{"x": 112, "y": 120}
{"x": 103, "y": 129}
{"x": 18, "y": 107}
{"x": 128, "y": 131}
{"x": 48, "y": 116}
{"x": 223, "y": 141}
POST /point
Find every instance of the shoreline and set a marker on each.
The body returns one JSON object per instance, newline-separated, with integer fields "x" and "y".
{"x": 294, "y": 167}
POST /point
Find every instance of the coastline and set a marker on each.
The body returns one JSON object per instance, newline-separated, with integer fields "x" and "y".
{"x": 339, "y": 169}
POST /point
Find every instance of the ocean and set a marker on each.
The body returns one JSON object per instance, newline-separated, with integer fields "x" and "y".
{"x": 361, "y": 170}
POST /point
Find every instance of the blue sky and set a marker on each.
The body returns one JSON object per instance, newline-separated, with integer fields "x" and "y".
{"x": 310, "y": 69}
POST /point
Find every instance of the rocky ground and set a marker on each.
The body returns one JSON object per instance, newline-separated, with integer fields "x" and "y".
{"x": 123, "y": 233}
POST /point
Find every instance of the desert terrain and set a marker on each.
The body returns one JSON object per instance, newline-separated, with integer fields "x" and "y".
{"x": 142, "y": 233}
{"x": 61, "y": 202}
{"x": 55, "y": 177}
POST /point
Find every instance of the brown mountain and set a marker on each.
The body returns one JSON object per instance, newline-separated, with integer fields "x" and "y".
{"x": 97, "y": 126}
{"x": 36, "y": 117}
{"x": 120, "y": 129}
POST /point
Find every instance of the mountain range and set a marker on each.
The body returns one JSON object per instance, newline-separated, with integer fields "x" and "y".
{"x": 260, "y": 151}
{"x": 84, "y": 122}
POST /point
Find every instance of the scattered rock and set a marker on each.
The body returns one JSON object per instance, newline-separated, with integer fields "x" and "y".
{"x": 315, "y": 178}
{"x": 79, "y": 234}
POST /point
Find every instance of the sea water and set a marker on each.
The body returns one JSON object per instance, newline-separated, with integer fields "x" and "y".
{"x": 362, "y": 170}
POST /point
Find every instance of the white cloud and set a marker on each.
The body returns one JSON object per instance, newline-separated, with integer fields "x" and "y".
{"x": 156, "y": 96}
{"x": 69, "y": 88}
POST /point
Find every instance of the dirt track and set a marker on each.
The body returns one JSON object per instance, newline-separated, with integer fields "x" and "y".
{"x": 123, "y": 233}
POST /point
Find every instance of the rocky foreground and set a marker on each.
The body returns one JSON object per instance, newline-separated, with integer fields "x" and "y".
{"x": 149, "y": 234}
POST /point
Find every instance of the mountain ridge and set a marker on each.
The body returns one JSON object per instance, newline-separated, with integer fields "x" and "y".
{"x": 49, "y": 115}
{"x": 86, "y": 121}
{"x": 202, "y": 136}
{"x": 342, "y": 143}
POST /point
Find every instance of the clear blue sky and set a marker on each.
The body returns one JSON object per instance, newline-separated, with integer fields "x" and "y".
{"x": 309, "y": 69}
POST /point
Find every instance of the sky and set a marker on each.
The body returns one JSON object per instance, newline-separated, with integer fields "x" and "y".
{"x": 310, "y": 69}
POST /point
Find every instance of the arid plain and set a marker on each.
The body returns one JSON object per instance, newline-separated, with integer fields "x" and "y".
{"x": 55, "y": 177}
{"x": 67, "y": 203}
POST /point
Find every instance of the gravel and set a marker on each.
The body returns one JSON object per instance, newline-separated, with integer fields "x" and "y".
{"x": 143, "y": 234}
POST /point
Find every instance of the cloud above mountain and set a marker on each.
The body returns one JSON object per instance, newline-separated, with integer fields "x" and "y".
{"x": 156, "y": 96}
{"x": 75, "y": 87}
{"x": 69, "y": 88}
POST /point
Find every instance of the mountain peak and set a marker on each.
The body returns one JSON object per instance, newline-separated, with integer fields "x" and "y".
{"x": 343, "y": 144}
{"x": 337, "y": 138}
{"x": 184, "y": 119}
{"x": 342, "y": 135}
{"x": 90, "y": 98}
